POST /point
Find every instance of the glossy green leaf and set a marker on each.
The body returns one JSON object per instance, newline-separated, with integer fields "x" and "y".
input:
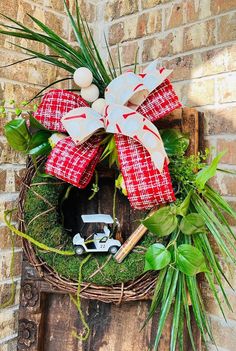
{"x": 182, "y": 209}
{"x": 35, "y": 124}
{"x": 208, "y": 171}
{"x": 17, "y": 134}
{"x": 39, "y": 138}
{"x": 174, "y": 141}
{"x": 163, "y": 222}
{"x": 157, "y": 257}
{"x": 193, "y": 223}
{"x": 42, "y": 149}
{"x": 39, "y": 144}
{"x": 190, "y": 260}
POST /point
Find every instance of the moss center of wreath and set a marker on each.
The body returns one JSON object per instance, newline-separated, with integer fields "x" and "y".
{"x": 44, "y": 216}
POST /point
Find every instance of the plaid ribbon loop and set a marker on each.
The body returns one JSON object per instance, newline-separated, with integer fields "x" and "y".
{"x": 146, "y": 185}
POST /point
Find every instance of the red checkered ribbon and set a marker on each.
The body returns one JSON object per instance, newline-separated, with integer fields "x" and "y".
{"x": 75, "y": 164}
{"x": 146, "y": 186}
{"x": 54, "y": 105}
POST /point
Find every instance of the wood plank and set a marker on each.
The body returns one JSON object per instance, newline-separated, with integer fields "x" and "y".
{"x": 48, "y": 315}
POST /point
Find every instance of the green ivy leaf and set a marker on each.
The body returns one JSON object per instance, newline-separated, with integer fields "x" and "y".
{"x": 190, "y": 260}
{"x": 193, "y": 223}
{"x": 35, "y": 124}
{"x": 43, "y": 149}
{"x": 39, "y": 144}
{"x": 174, "y": 141}
{"x": 182, "y": 209}
{"x": 157, "y": 257}
{"x": 208, "y": 171}
{"x": 163, "y": 222}
{"x": 17, "y": 134}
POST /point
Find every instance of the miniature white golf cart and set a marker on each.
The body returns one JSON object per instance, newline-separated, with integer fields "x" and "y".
{"x": 98, "y": 230}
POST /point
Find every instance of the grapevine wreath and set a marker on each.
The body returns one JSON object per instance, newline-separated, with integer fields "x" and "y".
{"x": 108, "y": 121}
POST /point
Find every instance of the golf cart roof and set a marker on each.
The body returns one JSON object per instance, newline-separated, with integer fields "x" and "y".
{"x": 97, "y": 218}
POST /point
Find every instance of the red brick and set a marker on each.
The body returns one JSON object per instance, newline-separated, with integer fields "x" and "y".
{"x": 149, "y": 23}
{"x": 127, "y": 54}
{"x": 6, "y": 292}
{"x": 146, "y": 4}
{"x": 8, "y": 203}
{"x": 116, "y": 33}
{"x": 8, "y": 323}
{"x": 219, "y": 6}
{"x": 200, "y": 64}
{"x": 174, "y": 16}
{"x": 199, "y": 35}
{"x": 5, "y": 262}
{"x": 166, "y": 45}
{"x": 227, "y": 28}
{"x": 226, "y": 88}
{"x": 220, "y": 120}
{"x": 230, "y": 145}
{"x": 224, "y": 184}
{"x": 118, "y": 8}
{"x": 196, "y": 93}
{"x": 197, "y": 10}
{"x": 213, "y": 308}
{"x": 5, "y": 242}
{"x": 8, "y": 155}
{"x": 3, "y": 177}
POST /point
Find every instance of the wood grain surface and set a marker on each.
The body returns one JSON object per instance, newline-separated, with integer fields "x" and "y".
{"x": 47, "y": 316}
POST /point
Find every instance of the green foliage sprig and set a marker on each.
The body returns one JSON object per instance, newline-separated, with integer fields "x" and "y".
{"x": 185, "y": 230}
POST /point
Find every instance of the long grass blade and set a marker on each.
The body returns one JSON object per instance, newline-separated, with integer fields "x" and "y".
{"x": 168, "y": 282}
{"x": 176, "y": 317}
{"x": 47, "y": 58}
{"x": 119, "y": 58}
{"x": 58, "y": 39}
{"x": 209, "y": 218}
{"x": 136, "y": 61}
{"x": 79, "y": 37}
{"x": 156, "y": 299}
{"x": 39, "y": 94}
{"x": 103, "y": 70}
{"x": 181, "y": 325}
{"x": 204, "y": 245}
{"x": 187, "y": 312}
{"x": 114, "y": 75}
{"x": 200, "y": 316}
{"x": 165, "y": 308}
{"x": 212, "y": 194}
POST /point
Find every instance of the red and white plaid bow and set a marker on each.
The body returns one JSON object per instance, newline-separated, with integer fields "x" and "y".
{"x": 142, "y": 158}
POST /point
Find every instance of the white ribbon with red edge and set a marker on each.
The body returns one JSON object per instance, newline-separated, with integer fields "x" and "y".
{"x": 81, "y": 123}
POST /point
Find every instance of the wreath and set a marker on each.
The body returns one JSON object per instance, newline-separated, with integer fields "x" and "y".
{"x": 111, "y": 121}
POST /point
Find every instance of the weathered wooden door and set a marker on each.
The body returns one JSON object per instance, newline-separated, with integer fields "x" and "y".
{"x": 47, "y": 315}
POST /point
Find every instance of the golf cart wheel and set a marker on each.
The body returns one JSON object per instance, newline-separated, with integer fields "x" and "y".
{"x": 113, "y": 249}
{"x": 79, "y": 250}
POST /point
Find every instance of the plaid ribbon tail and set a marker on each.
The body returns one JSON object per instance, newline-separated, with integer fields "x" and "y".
{"x": 55, "y": 104}
{"x": 146, "y": 186}
{"x": 74, "y": 164}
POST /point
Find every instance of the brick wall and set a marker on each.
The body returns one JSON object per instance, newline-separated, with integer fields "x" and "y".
{"x": 197, "y": 38}
{"x": 20, "y": 83}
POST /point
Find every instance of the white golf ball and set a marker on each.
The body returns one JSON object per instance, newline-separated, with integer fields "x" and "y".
{"x": 90, "y": 93}
{"x": 83, "y": 77}
{"x": 99, "y": 105}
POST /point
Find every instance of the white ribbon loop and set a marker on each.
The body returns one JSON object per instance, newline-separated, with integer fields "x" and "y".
{"x": 129, "y": 88}
{"x": 81, "y": 123}
{"x": 123, "y": 120}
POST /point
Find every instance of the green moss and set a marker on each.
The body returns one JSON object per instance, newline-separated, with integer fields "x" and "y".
{"x": 47, "y": 229}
